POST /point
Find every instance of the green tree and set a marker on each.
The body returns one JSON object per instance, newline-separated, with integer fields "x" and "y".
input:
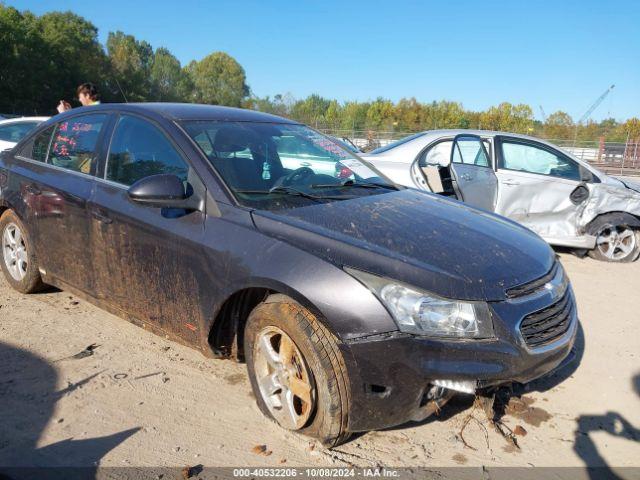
{"x": 509, "y": 118}
{"x": 380, "y": 115}
{"x": 45, "y": 58}
{"x": 630, "y": 129}
{"x": 186, "y": 86}
{"x": 311, "y": 110}
{"x": 354, "y": 115}
{"x": 166, "y": 75}
{"x": 75, "y": 54}
{"x": 609, "y": 128}
{"x": 131, "y": 62}
{"x": 22, "y": 47}
{"x": 278, "y": 105}
{"x": 408, "y": 114}
{"x": 332, "y": 114}
{"x": 559, "y": 125}
{"x": 444, "y": 114}
{"x": 218, "y": 79}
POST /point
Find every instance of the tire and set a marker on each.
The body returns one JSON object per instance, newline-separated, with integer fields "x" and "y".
{"x": 325, "y": 413}
{"x": 14, "y": 237}
{"x": 616, "y": 243}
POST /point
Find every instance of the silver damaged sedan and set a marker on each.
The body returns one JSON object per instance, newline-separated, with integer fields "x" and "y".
{"x": 563, "y": 199}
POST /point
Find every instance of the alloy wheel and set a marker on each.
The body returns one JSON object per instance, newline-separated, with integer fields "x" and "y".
{"x": 14, "y": 252}
{"x": 284, "y": 379}
{"x": 616, "y": 242}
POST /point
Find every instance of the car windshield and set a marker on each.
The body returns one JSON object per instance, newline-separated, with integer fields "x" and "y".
{"x": 14, "y": 132}
{"x": 346, "y": 143}
{"x": 277, "y": 165}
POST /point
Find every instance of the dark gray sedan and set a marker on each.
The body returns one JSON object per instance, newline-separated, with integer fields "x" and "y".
{"x": 356, "y": 304}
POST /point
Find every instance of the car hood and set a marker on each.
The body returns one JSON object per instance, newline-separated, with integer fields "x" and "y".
{"x": 630, "y": 184}
{"x": 440, "y": 245}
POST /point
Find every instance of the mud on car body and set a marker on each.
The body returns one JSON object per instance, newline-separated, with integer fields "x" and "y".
{"x": 356, "y": 304}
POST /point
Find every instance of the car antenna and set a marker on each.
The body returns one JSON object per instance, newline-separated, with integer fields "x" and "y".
{"x": 121, "y": 91}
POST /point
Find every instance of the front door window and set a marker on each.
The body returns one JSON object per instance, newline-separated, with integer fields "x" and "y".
{"x": 139, "y": 150}
{"x": 531, "y": 159}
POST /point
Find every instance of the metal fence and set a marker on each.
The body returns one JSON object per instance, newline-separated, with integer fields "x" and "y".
{"x": 610, "y": 157}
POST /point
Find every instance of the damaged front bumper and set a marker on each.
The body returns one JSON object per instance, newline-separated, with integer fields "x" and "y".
{"x": 396, "y": 378}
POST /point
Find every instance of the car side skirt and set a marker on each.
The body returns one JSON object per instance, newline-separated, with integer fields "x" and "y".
{"x": 585, "y": 241}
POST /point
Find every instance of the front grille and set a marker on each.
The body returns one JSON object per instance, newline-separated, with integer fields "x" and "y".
{"x": 546, "y": 325}
{"x": 533, "y": 286}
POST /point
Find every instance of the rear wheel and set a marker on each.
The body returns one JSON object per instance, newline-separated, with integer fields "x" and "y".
{"x": 19, "y": 262}
{"x": 616, "y": 243}
{"x": 296, "y": 370}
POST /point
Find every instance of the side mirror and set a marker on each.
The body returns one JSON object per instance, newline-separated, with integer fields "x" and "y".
{"x": 161, "y": 191}
{"x": 585, "y": 175}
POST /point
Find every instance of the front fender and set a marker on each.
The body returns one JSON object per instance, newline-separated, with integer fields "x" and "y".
{"x": 256, "y": 260}
{"x": 608, "y": 199}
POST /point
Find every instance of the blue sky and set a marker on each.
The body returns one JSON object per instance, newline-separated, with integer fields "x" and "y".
{"x": 558, "y": 54}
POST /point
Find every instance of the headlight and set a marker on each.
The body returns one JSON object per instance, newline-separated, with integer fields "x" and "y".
{"x": 423, "y": 313}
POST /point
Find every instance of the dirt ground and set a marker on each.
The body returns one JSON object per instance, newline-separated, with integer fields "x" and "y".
{"x": 140, "y": 400}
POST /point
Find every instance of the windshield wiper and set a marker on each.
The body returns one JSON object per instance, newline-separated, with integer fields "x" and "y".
{"x": 294, "y": 191}
{"x": 353, "y": 183}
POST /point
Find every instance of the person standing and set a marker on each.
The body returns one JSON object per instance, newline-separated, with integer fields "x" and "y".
{"x": 87, "y": 95}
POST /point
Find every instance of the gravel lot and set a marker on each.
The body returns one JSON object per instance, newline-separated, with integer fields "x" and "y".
{"x": 141, "y": 400}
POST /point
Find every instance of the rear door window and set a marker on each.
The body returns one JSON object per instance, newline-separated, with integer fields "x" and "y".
{"x": 75, "y": 141}
{"x": 470, "y": 151}
{"x": 139, "y": 149}
{"x": 41, "y": 145}
{"x": 36, "y": 148}
{"x": 440, "y": 154}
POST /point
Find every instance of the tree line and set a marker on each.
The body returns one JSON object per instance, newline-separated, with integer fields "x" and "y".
{"x": 408, "y": 115}
{"x": 43, "y": 59}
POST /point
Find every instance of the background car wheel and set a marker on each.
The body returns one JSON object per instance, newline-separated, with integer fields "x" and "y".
{"x": 296, "y": 370}
{"x": 616, "y": 243}
{"x": 19, "y": 262}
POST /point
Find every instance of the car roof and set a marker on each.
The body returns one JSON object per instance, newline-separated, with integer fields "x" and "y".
{"x": 400, "y": 153}
{"x": 480, "y": 133}
{"x": 422, "y": 139}
{"x": 5, "y": 121}
{"x": 185, "y": 111}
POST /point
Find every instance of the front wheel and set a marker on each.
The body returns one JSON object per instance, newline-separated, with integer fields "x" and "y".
{"x": 616, "y": 243}
{"x": 19, "y": 262}
{"x": 296, "y": 370}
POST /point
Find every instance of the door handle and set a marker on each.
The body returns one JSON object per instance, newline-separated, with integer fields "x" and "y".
{"x": 305, "y": 164}
{"x": 510, "y": 182}
{"x": 101, "y": 217}
{"x": 33, "y": 190}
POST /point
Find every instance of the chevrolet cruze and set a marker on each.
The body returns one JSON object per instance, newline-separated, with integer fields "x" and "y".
{"x": 356, "y": 304}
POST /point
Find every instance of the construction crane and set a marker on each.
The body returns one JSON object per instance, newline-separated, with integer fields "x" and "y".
{"x": 595, "y": 105}
{"x": 588, "y": 113}
{"x": 544, "y": 115}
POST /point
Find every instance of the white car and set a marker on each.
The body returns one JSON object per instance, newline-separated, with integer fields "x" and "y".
{"x": 560, "y": 197}
{"x": 12, "y": 130}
